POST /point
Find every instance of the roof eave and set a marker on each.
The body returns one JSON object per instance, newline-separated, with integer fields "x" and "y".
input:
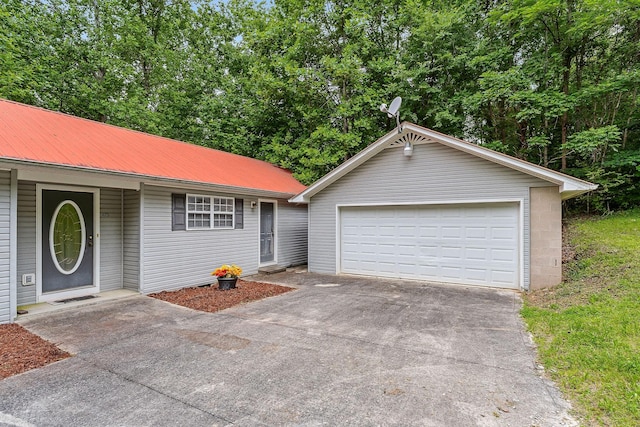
{"x": 170, "y": 182}
{"x": 152, "y": 180}
{"x": 568, "y": 192}
{"x": 566, "y": 182}
{"x": 568, "y": 185}
{"x": 344, "y": 168}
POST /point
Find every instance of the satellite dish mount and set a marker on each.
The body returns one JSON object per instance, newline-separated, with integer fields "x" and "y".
{"x": 393, "y": 111}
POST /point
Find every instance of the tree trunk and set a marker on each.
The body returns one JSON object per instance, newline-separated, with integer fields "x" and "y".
{"x": 566, "y": 63}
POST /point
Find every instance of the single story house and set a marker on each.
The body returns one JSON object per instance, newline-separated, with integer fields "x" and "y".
{"x": 419, "y": 204}
{"x": 87, "y": 207}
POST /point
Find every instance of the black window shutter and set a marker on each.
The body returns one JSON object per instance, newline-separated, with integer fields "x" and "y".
{"x": 178, "y": 212}
{"x": 239, "y": 213}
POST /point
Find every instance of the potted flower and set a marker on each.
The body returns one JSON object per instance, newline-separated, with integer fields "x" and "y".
{"x": 227, "y": 276}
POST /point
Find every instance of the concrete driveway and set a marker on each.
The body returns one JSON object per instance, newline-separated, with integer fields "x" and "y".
{"x": 338, "y": 351}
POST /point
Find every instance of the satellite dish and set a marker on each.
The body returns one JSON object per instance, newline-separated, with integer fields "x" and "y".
{"x": 392, "y": 111}
{"x": 394, "y": 107}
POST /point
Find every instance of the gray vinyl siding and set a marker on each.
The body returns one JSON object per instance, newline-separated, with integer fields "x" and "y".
{"x": 131, "y": 244}
{"x": 176, "y": 259}
{"x": 435, "y": 173}
{"x": 5, "y": 211}
{"x": 110, "y": 239}
{"x": 26, "y": 240}
{"x": 292, "y": 234}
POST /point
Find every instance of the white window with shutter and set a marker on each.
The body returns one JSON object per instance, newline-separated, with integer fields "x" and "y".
{"x": 209, "y": 212}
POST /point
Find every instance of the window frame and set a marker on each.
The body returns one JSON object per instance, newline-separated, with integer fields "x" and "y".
{"x": 212, "y": 201}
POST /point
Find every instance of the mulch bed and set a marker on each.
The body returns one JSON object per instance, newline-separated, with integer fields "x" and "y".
{"x": 211, "y": 299}
{"x": 20, "y": 351}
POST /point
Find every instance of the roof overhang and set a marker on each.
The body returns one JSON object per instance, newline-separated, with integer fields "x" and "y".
{"x": 70, "y": 175}
{"x": 569, "y": 186}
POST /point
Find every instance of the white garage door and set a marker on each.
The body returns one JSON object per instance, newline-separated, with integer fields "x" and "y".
{"x": 475, "y": 244}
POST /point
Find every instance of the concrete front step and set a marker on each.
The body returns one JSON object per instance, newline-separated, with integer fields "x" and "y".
{"x": 272, "y": 269}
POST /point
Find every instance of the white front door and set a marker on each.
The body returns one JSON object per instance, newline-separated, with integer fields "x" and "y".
{"x": 474, "y": 244}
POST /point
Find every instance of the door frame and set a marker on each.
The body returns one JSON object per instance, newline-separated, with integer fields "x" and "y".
{"x": 77, "y": 292}
{"x": 275, "y": 231}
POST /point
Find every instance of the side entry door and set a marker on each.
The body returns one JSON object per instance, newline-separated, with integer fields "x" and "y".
{"x": 267, "y": 232}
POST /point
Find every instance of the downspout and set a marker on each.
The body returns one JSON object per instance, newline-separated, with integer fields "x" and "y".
{"x": 13, "y": 245}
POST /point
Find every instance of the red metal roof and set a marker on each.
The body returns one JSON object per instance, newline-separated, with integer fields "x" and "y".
{"x": 33, "y": 134}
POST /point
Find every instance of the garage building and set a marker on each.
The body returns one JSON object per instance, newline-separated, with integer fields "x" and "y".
{"x": 418, "y": 204}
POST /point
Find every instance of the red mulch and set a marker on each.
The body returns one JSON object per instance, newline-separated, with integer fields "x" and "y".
{"x": 211, "y": 299}
{"x": 20, "y": 351}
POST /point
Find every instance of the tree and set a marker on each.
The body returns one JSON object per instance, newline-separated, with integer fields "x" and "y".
{"x": 299, "y": 82}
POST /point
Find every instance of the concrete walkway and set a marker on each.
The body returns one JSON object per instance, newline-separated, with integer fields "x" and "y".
{"x": 338, "y": 351}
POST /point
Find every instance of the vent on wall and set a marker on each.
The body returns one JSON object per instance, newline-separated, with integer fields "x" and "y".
{"x": 409, "y": 137}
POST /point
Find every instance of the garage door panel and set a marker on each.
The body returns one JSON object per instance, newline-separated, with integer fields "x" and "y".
{"x": 503, "y": 233}
{"x": 477, "y": 274}
{"x": 386, "y": 231}
{"x": 472, "y": 244}
{"x": 502, "y": 277}
{"x": 507, "y": 255}
{"x": 426, "y": 271}
{"x": 476, "y": 233}
{"x": 405, "y": 214}
{"x": 476, "y": 254}
{"x": 406, "y": 231}
{"x": 429, "y": 232}
{"x": 367, "y": 230}
{"x": 451, "y": 232}
{"x": 448, "y": 252}
{"x": 451, "y": 273}
{"x": 368, "y": 265}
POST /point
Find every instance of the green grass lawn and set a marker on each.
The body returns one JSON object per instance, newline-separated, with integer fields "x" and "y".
{"x": 588, "y": 328}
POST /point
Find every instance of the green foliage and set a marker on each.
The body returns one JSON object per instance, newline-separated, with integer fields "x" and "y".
{"x": 591, "y": 145}
{"x": 299, "y": 82}
{"x": 587, "y": 329}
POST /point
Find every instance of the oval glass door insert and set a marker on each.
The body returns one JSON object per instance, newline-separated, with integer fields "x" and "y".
{"x": 67, "y": 237}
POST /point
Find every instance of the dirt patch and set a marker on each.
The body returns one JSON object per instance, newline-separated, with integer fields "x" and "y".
{"x": 219, "y": 341}
{"x": 578, "y": 287}
{"x": 20, "y": 351}
{"x": 211, "y": 299}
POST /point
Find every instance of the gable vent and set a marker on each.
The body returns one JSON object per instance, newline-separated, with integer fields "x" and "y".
{"x": 410, "y": 137}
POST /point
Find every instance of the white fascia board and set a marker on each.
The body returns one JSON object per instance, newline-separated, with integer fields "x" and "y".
{"x": 198, "y": 186}
{"x": 62, "y": 174}
{"x": 345, "y": 168}
{"x": 567, "y": 184}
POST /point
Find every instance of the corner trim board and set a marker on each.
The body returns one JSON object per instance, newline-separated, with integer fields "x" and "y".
{"x": 13, "y": 245}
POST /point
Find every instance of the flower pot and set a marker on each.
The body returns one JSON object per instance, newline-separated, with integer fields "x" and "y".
{"x": 226, "y": 283}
